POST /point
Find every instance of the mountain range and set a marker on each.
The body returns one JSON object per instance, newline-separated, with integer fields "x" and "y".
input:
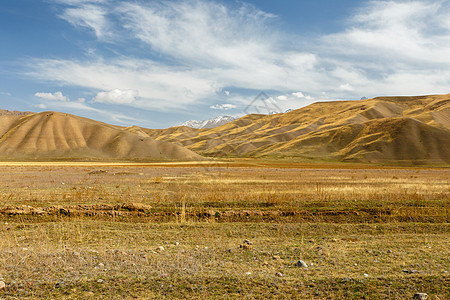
{"x": 382, "y": 129}
{"x": 211, "y": 123}
{"x": 412, "y": 129}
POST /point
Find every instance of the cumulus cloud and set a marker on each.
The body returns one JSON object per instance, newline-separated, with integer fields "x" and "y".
{"x": 117, "y": 96}
{"x": 225, "y": 106}
{"x": 346, "y": 87}
{"x": 56, "y": 96}
{"x": 298, "y": 95}
{"x": 227, "y": 93}
{"x": 282, "y": 98}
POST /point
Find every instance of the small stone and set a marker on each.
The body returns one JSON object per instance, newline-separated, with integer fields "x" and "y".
{"x": 248, "y": 273}
{"x": 246, "y": 247}
{"x": 100, "y": 281}
{"x": 160, "y": 249}
{"x": 276, "y": 257}
{"x": 76, "y": 253}
{"x": 301, "y": 264}
{"x": 420, "y": 296}
{"x": 265, "y": 263}
{"x": 60, "y": 284}
{"x": 247, "y": 242}
{"x": 278, "y": 274}
{"x": 101, "y": 265}
{"x": 164, "y": 275}
{"x": 366, "y": 275}
{"x": 334, "y": 240}
{"x": 410, "y": 271}
{"x": 389, "y": 251}
{"x": 2, "y": 285}
{"x": 176, "y": 243}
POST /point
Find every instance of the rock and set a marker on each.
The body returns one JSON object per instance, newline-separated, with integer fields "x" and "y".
{"x": 247, "y": 242}
{"x": 176, "y": 243}
{"x": 100, "y": 281}
{"x": 410, "y": 271}
{"x": 248, "y": 273}
{"x": 276, "y": 257}
{"x": 366, "y": 275}
{"x": 159, "y": 249}
{"x": 101, "y": 265}
{"x": 301, "y": 264}
{"x": 389, "y": 251}
{"x": 60, "y": 284}
{"x": 278, "y": 274}
{"x": 420, "y": 296}
{"x": 2, "y": 285}
{"x": 246, "y": 247}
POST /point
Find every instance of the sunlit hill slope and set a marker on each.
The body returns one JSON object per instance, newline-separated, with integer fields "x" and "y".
{"x": 382, "y": 129}
{"x": 59, "y": 136}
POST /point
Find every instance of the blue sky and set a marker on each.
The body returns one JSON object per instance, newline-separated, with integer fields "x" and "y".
{"x": 160, "y": 63}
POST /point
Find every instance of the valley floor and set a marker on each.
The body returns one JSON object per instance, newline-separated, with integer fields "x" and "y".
{"x": 223, "y": 230}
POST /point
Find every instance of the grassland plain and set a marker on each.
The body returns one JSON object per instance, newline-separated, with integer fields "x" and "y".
{"x": 230, "y": 230}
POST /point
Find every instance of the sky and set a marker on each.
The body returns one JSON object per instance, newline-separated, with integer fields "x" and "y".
{"x": 158, "y": 64}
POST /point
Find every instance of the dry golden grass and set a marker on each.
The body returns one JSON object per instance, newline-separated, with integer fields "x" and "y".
{"x": 90, "y": 231}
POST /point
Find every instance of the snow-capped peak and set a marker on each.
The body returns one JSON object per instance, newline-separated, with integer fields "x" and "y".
{"x": 211, "y": 123}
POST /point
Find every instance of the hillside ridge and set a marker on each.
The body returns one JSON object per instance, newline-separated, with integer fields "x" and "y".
{"x": 355, "y": 130}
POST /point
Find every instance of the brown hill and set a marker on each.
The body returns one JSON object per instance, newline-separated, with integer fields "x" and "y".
{"x": 413, "y": 129}
{"x": 56, "y": 136}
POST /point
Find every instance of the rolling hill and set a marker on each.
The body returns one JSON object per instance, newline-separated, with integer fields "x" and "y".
{"x": 383, "y": 129}
{"x": 59, "y": 136}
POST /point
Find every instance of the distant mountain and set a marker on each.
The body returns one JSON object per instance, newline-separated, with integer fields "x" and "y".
{"x": 382, "y": 129}
{"x": 211, "y": 123}
{"x": 13, "y": 113}
{"x": 58, "y": 136}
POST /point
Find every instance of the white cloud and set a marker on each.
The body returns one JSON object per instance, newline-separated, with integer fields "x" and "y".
{"x": 298, "y": 95}
{"x": 388, "y": 47}
{"x": 41, "y": 106}
{"x": 56, "y": 96}
{"x": 81, "y": 100}
{"x": 226, "y": 106}
{"x": 117, "y": 96}
{"x": 88, "y": 16}
{"x": 227, "y": 93}
{"x": 346, "y": 87}
{"x": 5, "y": 93}
{"x": 282, "y": 98}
